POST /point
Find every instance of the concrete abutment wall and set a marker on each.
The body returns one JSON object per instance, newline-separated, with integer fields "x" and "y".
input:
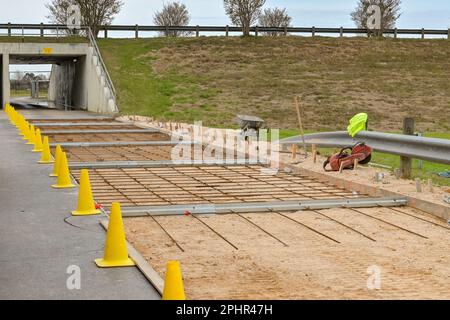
{"x": 4, "y": 82}
{"x": 76, "y": 79}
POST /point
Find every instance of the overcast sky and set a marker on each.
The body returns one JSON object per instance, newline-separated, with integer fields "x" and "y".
{"x": 324, "y": 13}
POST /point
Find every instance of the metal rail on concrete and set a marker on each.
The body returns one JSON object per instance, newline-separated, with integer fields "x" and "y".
{"x": 99, "y": 131}
{"x": 80, "y": 120}
{"x": 159, "y": 164}
{"x": 122, "y": 144}
{"x": 78, "y": 124}
{"x": 429, "y": 149}
{"x": 262, "y": 206}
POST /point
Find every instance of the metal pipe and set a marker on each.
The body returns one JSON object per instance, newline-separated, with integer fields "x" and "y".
{"x": 82, "y": 124}
{"x": 98, "y": 131}
{"x": 159, "y": 164}
{"x": 262, "y": 206}
{"x": 121, "y": 144}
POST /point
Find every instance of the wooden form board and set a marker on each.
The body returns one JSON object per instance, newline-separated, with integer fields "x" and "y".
{"x": 152, "y": 276}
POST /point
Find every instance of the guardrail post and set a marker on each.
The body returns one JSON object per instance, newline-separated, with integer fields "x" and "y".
{"x": 406, "y": 163}
{"x": 313, "y": 33}
{"x": 9, "y": 29}
{"x": 285, "y": 31}
{"x": 42, "y": 29}
{"x": 395, "y": 33}
{"x": 341, "y": 32}
{"x": 423, "y": 33}
{"x": 227, "y": 30}
{"x": 420, "y": 165}
{"x": 136, "y": 31}
{"x": 448, "y": 34}
{"x": 106, "y": 33}
{"x": 197, "y": 31}
{"x": 256, "y": 31}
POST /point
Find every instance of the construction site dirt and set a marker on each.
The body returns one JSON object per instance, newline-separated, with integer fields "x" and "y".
{"x": 289, "y": 258}
{"x": 310, "y": 254}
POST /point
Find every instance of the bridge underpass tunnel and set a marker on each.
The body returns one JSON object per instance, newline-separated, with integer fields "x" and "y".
{"x": 46, "y": 81}
{"x": 30, "y": 82}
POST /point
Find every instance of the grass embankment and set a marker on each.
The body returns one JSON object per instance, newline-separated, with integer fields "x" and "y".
{"x": 214, "y": 78}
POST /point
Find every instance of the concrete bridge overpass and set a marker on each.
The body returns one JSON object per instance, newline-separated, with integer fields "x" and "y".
{"x": 78, "y": 79}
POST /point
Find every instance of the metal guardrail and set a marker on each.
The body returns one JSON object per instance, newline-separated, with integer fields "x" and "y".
{"x": 61, "y": 30}
{"x": 429, "y": 149}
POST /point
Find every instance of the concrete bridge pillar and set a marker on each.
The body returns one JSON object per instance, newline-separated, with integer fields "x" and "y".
{"x": 4, "y": 82}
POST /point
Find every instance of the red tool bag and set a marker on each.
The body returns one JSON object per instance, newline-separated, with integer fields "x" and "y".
{"x": 360, "y": 152}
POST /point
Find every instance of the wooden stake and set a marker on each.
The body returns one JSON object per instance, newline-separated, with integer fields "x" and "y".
{"x": 418, "y": 185}
{"x": 355, "y": 164}
{"x": 294, "y": 152}
{"x": 314, "y": 152}
{"x": 342, "y": 167}
{"x": 300, "y": 122}
{"x": 430, "y": 186}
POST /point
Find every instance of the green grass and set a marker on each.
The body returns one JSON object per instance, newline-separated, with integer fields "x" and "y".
{"x": 214, "y": 78}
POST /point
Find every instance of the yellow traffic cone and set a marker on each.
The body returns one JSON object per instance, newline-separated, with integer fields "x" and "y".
{"x": 27, "y": 132}
{"x": 32, "y": 135}
{"x": 173, "y": 284}
{"x": 63, "y": 181}
{"x": 86, "y": 205}
{"x": 58, "y": 154}
{"x": 22, "y": 127}
{"x": 46, "y": 157}
{"x": 38, "y": 142}
{"x": 116, "y": 252}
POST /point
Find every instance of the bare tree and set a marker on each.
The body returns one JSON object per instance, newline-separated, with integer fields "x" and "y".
{"x": 365, "y": 15}
{"x": 275, "y": 17}
{"x": 174, "y": 14}
{"x": 244, "y": 13}
{"x": 94, "y": 13}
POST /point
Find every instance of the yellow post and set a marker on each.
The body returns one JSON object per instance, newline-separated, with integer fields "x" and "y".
{"x": 116, "y": 252}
